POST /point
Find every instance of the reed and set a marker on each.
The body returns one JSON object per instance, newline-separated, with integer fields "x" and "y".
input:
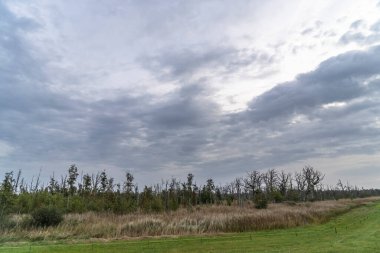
{"x": 200, "y": 220}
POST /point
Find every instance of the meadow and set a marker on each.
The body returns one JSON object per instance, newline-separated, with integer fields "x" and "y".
{"x": 201, "y": 220}
{"x": 353, "y": 227}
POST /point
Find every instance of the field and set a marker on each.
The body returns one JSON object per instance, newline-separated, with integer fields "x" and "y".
{"x": 355, "y": 231}
{"x": 213, "y": 219}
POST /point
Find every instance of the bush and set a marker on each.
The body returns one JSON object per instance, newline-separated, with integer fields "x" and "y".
{"x": 277, "y": 197}
{"x": 157, "y": 206}
{"x": 47, "y": 216}
{"x": 6, "y": 222}
{"x": 261, "y": 202}
{"x": 26, "y": 222}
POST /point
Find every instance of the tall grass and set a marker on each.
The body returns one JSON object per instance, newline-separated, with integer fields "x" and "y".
{"x": 203, "y": 220}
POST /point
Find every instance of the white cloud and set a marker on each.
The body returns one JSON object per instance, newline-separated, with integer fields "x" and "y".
{"x": 5, "y": 149}
{"x": 334, "y": 105}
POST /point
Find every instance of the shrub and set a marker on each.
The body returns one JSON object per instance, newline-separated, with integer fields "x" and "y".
{"x": 26, "y": 222}
{"x": 6, "y": 222}
{"x": 261, "y": 202}
{"x": 47, "y": 216}
{"x": 277, "y": 197}
{"x": 157, "y": 206}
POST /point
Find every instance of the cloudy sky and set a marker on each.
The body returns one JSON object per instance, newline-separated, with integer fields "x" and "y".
{"x": 215, "y": 88}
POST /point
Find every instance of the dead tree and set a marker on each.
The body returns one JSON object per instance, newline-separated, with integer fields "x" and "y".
{"x": 253, "y": 182}
{"x": 312, "y": 178}
{"x": 301, "y": 185}
{"x": 270, "y": 179}
{"x": 283, "y": 184}
{"x": 238, "y": 183}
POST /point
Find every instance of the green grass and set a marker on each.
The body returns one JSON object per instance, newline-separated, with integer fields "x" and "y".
{"x": 355, "y": 231}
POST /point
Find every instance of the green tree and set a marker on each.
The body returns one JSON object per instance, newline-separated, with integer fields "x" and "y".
{"x": 71, "y": 180}
{"x": 6, "y": 193}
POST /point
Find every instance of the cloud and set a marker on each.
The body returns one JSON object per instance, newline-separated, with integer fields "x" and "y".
{"x": 307, "y": 31}
{"x": 290, "y": 121}
{"x": 45, "y": 126}
{"x": 5, "y": 149}
{"x": 328, "y": 112}
{"x": 357, "y": 24}
{"x": 360, "y": 35}
{"x": 204, "y": 60}
{"x": 189, "y": 108}
{"x": 375, "y": 27}
{"x": 32, "y": 116}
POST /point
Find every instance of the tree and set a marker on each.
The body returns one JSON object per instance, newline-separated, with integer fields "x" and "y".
{"x": 95, "y": 179}
{"x": 253, "y": 182}
{"x": 312, "y": 178}
{"x": 270, "y": 179}
{"x": 128, "y": 184}
{"x": 238, "y": 183}
{"x": 283, "y": 184}
{"x": 189, "y": 189}
{"x": 301, "y": 185}
{"x": 110, "y": 185}
{"x": 174, "y": 198}
{"x": 6, "y": 193}
{"x": 87, "y": 184}
{"x": 71, "y": 180}
{"x": 103, "y": 181}
{"x": 208, "y": 192}
{"x": 7, "y": 185}
{"x": 53, "y": 186}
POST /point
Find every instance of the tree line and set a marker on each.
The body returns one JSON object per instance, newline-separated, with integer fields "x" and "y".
{"x": 100, "y": 193}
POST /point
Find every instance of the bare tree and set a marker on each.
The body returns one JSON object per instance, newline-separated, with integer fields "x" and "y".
{"x": 313, "y": 178}
{"x": 253, "y": 182}
{"x": 238, "y": 183}
{"x": 284, "y": 181}
{"x": 341, "y": 186}
{"x": 95, "y": 179}
{"x": 17, "y": 181}
{"x": 270, "y": 179}
{"x": 301, "y": 185}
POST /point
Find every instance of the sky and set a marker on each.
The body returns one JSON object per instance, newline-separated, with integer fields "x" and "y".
{"x": 214, "y": 88}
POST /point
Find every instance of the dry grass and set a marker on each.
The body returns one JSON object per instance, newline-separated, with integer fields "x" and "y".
{"x": 202, "y": 220}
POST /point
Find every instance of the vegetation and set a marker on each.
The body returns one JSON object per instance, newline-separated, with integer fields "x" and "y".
{"x": 84, "y": 206}
{"x": 100, "y": 193}
{"x": 209, "y": 219}
{"x": 355, "y": 231}
{"x": 46, "y": 216}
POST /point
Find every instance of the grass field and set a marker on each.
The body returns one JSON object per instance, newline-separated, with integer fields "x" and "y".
{"x": 210, "y": 220}
{"x": 355, "y": 231}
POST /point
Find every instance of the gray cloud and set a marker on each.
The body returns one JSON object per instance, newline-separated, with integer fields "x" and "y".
{"x": 34, "y": 120}
{"x": 291, "y": 115}
{"x": 186, "y": 110}
{"x": 186, "y": 62}
{"x": 46, "y": 126}
{"x": 353, "y": 35}
{"x": 186, "y": 129}
{"x": 376, "y": 27}
{"x": 307, "y": 31}
{"x": 357, "y": 24}
{"x": 337, "y": 79}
